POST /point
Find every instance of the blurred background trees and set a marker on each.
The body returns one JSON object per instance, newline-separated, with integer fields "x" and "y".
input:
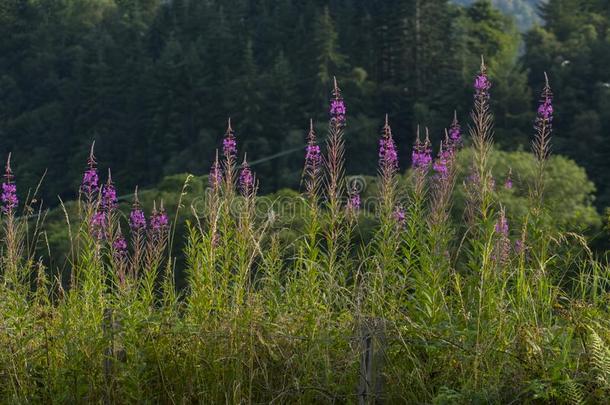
{"x": 153, "y": 82}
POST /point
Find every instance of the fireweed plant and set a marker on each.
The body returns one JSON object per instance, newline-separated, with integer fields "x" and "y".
{"x": 426, "y": 311}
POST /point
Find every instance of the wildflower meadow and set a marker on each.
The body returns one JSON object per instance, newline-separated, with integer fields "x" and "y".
{"x": 492, "y": 307}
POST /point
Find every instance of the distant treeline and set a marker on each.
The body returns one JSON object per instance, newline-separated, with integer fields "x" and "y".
{"x": 153, "y": 81}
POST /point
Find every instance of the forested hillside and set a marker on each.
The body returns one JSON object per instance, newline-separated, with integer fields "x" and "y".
{"x": 153, "y": 82}
{"x": 525, "y": 12}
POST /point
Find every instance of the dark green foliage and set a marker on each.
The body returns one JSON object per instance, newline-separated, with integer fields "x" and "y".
{"x": 573, "y": 47}
{"x": 153, "y": 82}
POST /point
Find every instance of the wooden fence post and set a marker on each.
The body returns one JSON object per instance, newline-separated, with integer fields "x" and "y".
{"x": 372, "y": 340}
{"x": 107, "y": 327}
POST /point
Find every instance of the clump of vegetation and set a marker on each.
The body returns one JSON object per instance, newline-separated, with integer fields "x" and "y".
{"x": 387, "y": 296}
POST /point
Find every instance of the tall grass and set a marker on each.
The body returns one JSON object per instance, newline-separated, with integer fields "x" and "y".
{"x": 476, "y": 311}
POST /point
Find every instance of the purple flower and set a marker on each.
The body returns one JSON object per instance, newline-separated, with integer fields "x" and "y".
{"x": 137, "y": 220}
{"x": 246, "y": 179}
{"x": 337, "y": 106}
{"x": 388, "y": 157}
{"x": 120, "y": 248}
{"x": 455, "y": 132}
{"x": 9, "y": 190}
{"x": 482, "y": 85}
{"x": 159, "y": 221}
{"x": 543, "y": 125}
{"x": 399, "y": 215}
{"x": 545, "y": 110}
{"x": 9, "y": 197}
{"x": 98, "y": 224}
{"x": 519, "y": 246}
{"x": 120, "y": 244}
{"x": 313, "y": 156}
{"x": 109, "y": 198}
{"x": 502, "y": 225}
{"x": 229, "y": 143}
{"x": 90, "y": 184}
{"x": 444, "y": 159}
{"x": 422, "y": 155}
{"x": 353, "y": 201}
{"x": 215, "y": 177}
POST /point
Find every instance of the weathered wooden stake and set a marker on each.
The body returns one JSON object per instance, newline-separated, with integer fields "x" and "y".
{"x": 372, "y": 341}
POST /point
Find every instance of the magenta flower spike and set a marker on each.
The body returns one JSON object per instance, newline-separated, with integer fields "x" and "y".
{"x": 337, "y": 106}
{"x": 399, "y": 215}
{"x": 441, "y": 165}
{"x": 353, "y": 201}
{"x": 137, "y": 220}
{"x": 9, "y": 190}
{"x": 229, "y": 143}
{"x": 159, "y": 221}
{"x": 455, "y": 133}
{"x": 246, "y": 179}
{"x": 422, "y": 155}
{"x": 388, "y": 156}
{"x": 215, "y": 177}
{"x": 502, "y": 224}
{"x": 482, "y": 84}
{"x": 313, "y": 156}
{"x": 120, "y": 247}
{"x": 109, "y": 198}
{"x": 543, "y": 123}
{"x": 98, "y": 225}
{"x": 90, "y": 183}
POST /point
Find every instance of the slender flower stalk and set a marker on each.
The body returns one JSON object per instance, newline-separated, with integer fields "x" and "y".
{"x": 109, "y": 198}
{"x": 313, "y": 162}
{"x": 90, "y": 183}
{"x": 388, "y": 167}
{"x": 247, "y": 183}
{"x": 337, "y": 106}
{"x": 9, "y": 198}
{"x": 443, "y": 161}
{"x": 229, "y": 151}
{"x": 335, "y": 151}
{"x": 120, "y": 257}
{"x": 455, "y": 132}
{"x": 388, "y": 157}
{"x": 542, "y": 140}
{"x": 11, "y": 229}
{"x": 444, "y": 179}
{"x": 157, "y": 236}
{"x": 503, "y": 246}
{"x": 421, "y": 159}
{"x": 481, "y": 134}
{"x": 137, "y": 226}
{"x": 215, "y": 177}
{"x": 99, "y": 225}
{"x": 155, "y": 247}
{"x": 215, "y": 181}
{"x": 248, "y": 188}
{"x": 353, "y": 201}
{"x": 400, "y": 216}
{"x": 159, "y": 222}
{"x": 335, "y": 184}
